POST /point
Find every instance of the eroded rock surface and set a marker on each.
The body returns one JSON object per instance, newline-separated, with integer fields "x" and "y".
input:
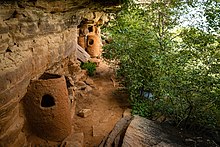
{"x": 146, "y": 133}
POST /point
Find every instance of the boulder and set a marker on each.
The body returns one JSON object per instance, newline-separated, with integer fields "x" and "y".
{"x": 115, "y": 137}
{"x": 143, "y": 133}
{"x": 88, "y": 88}
{"x": 84, "y": 113}
{"x": 127, "y": 112}
{"x": 81, "y": 85}
{"x": 89, "y": 81}
{"x": 95, "y": 60}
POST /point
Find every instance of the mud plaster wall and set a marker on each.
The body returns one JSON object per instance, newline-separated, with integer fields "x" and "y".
{"x": 34, "y": 37}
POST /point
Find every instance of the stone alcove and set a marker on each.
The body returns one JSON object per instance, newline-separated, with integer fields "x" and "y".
{"x": 90, "y": 37}
{"x": 36, "y": 36}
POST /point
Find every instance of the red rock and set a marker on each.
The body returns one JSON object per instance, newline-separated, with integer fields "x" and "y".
{"x": 143, "y": 133}
{"x": 127, "y": 112}
{"x": 88, "y": 89}
{"x": 20, "y": 141}
{"x": 74, "y": 140}
{"x": 81, "y": 85}
{"x": 9, "y": 119}
{"x": 89, "y": 81}
{"x": 84, "y": 113}
{"x": 95, "y": 60}
{"x": 9, "y": 136}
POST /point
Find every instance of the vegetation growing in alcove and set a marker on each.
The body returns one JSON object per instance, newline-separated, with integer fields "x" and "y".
{"x": 90, "y": 67}
{"x": 178, "y": 65}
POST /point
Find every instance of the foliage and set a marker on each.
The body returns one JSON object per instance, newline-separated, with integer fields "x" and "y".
{"x": 178, "y": 66}
{"x": 212, "y": 14}
{"x": 90, "y": 67}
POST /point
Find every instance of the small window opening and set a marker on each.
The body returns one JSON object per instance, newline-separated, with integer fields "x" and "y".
{"x": 90, "y": 29}
{"x": 47, "y": 101}
{"x": 8, "y": 50}
{"x": 91, "y": 41}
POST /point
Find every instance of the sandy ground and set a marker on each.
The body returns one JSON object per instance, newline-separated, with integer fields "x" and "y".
{"x": 107, "y": 105}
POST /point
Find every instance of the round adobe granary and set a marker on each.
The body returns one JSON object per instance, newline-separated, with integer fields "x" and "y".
{"x": 82, "y": 42}
{"x": 93, "y": 45}
{"x": 47, "y": 107}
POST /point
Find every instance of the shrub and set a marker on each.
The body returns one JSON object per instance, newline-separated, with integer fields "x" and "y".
{"x": 90, "y": 67}
{"x": 180, "y": 68}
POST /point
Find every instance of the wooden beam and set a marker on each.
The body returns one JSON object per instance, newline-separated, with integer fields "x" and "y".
{"x": 81, "y": 54}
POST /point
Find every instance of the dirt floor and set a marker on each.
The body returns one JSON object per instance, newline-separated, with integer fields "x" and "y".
{"x": 106, "y": 103}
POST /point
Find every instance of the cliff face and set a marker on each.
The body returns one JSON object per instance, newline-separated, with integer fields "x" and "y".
{"x": 35, "y": 36}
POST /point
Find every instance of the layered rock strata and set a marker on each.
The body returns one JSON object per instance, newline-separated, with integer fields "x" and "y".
{"x": 35, "y": 36}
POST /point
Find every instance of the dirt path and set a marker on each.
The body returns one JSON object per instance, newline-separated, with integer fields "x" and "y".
{"x": 106, "y": 103}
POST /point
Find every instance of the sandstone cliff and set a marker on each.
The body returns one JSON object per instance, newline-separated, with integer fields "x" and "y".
{"x": 35, "y": 36}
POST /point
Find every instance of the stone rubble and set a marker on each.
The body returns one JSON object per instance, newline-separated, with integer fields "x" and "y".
{"x": 89, "y": 81}
{"x": 96, "y": 61}
{"x": 84, "y": 113}
{"x": 88, "y": 89}
{"x": 127, "y": 112}
{"x": 81, "y": 85}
